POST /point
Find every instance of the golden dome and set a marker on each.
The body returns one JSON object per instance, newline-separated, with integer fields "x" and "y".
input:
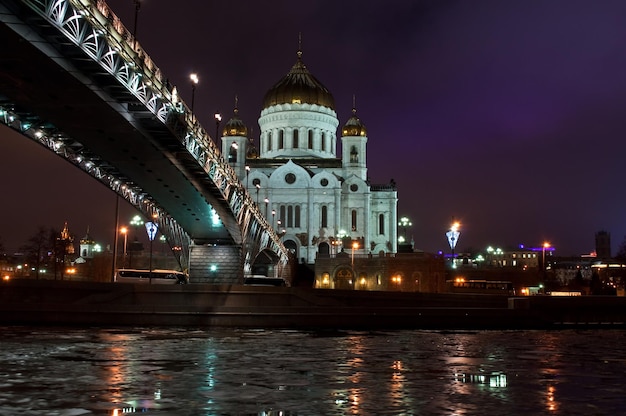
{"x": 235, "y": 127}
{"x": 252, "y": 152}
{"x": 353, "y": 126}
{"x": 299, "y": 86}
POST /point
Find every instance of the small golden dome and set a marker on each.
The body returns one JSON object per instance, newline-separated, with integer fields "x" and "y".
{"x": 353, "y": 126}
{"x": 299, "y": 86}
{"x": 235, "y": 127}
{"x": 252, "y": 152}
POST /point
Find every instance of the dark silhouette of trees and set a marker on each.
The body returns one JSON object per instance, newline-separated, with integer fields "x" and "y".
{"x": 37, "y": 248}
{"x": 621, "y": 251}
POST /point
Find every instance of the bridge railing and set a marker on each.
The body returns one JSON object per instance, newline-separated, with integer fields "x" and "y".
{"x": 130, "y": 49}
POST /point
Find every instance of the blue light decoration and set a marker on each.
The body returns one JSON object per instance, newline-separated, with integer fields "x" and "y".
{"x": 453, "y": 238}
{"x": 152, "y": 229}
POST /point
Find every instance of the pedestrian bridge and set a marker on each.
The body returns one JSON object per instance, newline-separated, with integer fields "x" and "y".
{"x": 75, "y": 80}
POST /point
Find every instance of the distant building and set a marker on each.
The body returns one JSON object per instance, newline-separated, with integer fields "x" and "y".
{"x": 402, "y": 272}
{"x": 87, "y": 246}
{"x": 603, "y": 245}
{"x": 66, "y": 241}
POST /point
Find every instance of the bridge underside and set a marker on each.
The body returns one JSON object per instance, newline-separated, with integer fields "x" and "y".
{"x": 108, "y": 125}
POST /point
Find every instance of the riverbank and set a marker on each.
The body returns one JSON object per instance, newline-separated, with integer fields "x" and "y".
{"x": 45, "y": 302}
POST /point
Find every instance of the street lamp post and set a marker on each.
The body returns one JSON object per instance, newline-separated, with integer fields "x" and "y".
{"x": 273, "y": 218}
{"x": 151, "y": 228}
{"x": 194, "y": 81}
{"x": 137, "y": 6}
{"x": 355, "y": 246}
{"x": 267, "y": 201}
{"x": 135, "y": 222}
{"x": 218, "y": 120}
{"x": 124, "y": 230}
{"x": 404, "y": 223}
{"x": 258, "y": 187}
{"x": 247, "y": 180}
{"x": 543, "y": 256}
{"x": 453, "y": 237}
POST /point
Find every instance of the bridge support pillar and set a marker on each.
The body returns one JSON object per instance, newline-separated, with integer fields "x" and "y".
{"x": 215, "y": 264}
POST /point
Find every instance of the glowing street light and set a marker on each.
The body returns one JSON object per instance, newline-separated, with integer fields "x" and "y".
{"x": 267, "y": 201}
{"x": 151, "y": 229}
{"x": 124, "y": 230}
{"x": 194, "y": 81}
{"x": 136, "y": 222}
{"x": 355, "y": 246}
{"x": 404, "y": 223}
{"x": 218, "y": 120}
{"x": 453, "y": 237}
{"x": 247, "y": 173}
{"x": 545, "y": 246}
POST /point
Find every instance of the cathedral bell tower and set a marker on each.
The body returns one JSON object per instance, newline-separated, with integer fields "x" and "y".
{"x": 353, "y": 144}
{"x": 234, "y": 143}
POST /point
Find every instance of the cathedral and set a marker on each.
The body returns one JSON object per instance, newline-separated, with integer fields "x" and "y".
{"x": 320, "y": 203}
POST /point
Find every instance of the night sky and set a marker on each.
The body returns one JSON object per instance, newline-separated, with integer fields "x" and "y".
{"x": 509, "y": 116}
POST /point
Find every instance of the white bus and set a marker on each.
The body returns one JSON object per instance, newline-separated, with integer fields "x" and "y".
{"x": 157, "y": 276}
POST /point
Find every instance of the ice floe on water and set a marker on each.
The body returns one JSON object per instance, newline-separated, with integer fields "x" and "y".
{"x": 179, "y": 371}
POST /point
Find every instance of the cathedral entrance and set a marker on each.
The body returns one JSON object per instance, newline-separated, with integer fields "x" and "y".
{"x": 344, "y": 279}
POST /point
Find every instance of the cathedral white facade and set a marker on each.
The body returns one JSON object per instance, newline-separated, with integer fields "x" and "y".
{"x": 321, "y": 203}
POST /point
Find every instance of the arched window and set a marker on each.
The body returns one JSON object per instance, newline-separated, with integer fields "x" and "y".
{"x": 232, "y": 155}
{"x": 295, "y": 138}
{"x": 324, "y": 216}
{"x": 297, "y": 222}
{"x": 354, "y": 220}
{"x": 281, "y": 217}
{"x": 323, "y": 142}
{"x": 290, "y": 216}
{"x": 269, "y": 141}
{"x": 310, "y": 139}
{"x": 354, "y": 155}
{"x": 281, "y": 139}
{"x": 381, "y": 224}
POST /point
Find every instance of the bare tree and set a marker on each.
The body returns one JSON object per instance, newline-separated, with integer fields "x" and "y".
{"x": 37, "y": 247}
{"x": 621, "y": 251}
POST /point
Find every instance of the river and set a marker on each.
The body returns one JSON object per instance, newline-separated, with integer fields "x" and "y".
{"x": 180, "y": 371}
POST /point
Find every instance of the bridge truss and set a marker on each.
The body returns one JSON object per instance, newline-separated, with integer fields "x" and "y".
{"x": 151, "y": 105}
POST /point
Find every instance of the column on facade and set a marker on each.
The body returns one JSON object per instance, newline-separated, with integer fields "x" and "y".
{"x": 317, "y": 140}
{"x": 368, "y": 220}
{"x": 310, "y": 226}
{"x": 336, "y": 212}
{"x": 272, "y": 141}
{"x": 393, "y": 227}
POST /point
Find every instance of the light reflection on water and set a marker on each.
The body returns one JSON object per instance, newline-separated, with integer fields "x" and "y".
{"x": 175, "y": 371}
